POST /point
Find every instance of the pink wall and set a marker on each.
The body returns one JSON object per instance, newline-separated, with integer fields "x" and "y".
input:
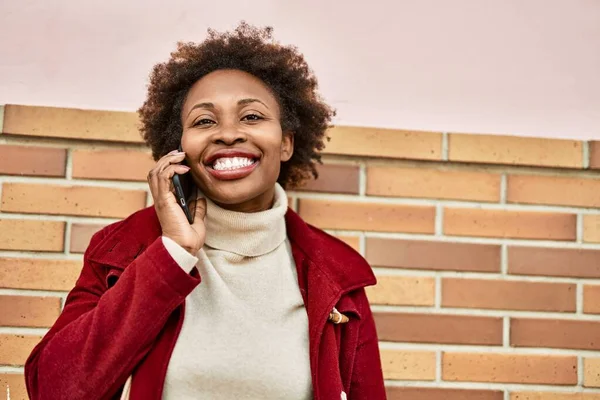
{"x": 526, "y": 67}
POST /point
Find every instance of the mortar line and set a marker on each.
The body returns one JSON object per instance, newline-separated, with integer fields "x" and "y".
{"x": 579, "y": 298}
{"x": 69, "y": 164}
{"x": 484, "y": 349}
{"x": 438, "y": 293}
{"x": 504, "y": 259}
{"x": 67, "y": 237}
{"x": 585, "y": 149}
{"x": 439, "y": 220}
{"x": 503, "y": 188}
{"x": 21, "y": 330}
{"x": 445, "y": 146}
{"x": 438, "y": 366}
{"x": 362, "y": 245}
{"x": 32, "y": 292}
{"x": 2, "y": 118}
{"x": 506, "y": 331}
{"x": 580, "y": 372}
{"x": 579, "y": 228}
{"x": 490, "y": 313}
{"x": 362, "y": 179}
{"x": 8, "y": 369}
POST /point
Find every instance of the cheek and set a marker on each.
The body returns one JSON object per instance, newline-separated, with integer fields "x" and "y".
{"x": 271, "y": 142}
{"x": 193, "y": 145}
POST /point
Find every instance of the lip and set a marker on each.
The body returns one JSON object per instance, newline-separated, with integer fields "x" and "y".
{"x": 231, "y": 174}
{"x": 210, "y": 159}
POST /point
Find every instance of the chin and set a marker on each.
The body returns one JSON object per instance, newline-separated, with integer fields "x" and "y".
{"x": 235, "y": 192}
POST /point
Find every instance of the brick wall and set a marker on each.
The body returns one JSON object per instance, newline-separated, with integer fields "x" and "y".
{"x": 487, "y": 248}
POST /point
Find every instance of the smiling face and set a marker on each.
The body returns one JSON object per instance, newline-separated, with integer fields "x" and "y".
{"x": 233, "y": 139}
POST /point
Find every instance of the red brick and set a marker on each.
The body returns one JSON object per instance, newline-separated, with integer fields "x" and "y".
{"x": 512, "y": 150}
{"x": 29, "y": 311}
{"x": 553, "y": 396}
{"x": 408, "y": 365}
{"x": 30, "y": 160}
{"x": 508, "y": 295}
{"x": 591, "y": 372}
{"x": 564, "y": 191}
{"x": 71, "y": 123}
{"x": 422, "y": 393}
{"x": 591, "y": 299}
{"x": 555, "y": 333}
{"x": 16, "y": 348}
{"x": 403, "y": 291}
{"x": 594, "y": 154}
{"x": 38, "y": 273}
{"x": 591, "y": 228}
{"x": 71, "y": 200}
{"x": 509, "y": 368}
{"x": 81, "y": 235}
{"x": 438, "y": 328}
{"x": 16, "y": 382}
{"x": 32, "y": 235}
{"x": 433, "y": 183}
{"x": 123, "y": 165}
{"x": 334, "y": 178}
{"x": 429, "y": 255}
{"x": 329, "y": 214}
{"x": 352, "y": 241}
{"x": 376, "y": 142}
{"x": 509, "y": 224}
{"x": 543, "y": 261}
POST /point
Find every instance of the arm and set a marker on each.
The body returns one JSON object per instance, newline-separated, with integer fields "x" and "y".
{"x": 367, "y": 376}
{"x": 101, "y": 335}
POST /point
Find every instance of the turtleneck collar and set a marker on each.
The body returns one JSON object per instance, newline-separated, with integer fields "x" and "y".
{"x": 247, "y": 234}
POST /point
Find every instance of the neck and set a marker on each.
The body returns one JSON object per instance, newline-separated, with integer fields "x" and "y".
{"x": 247, "y": 234}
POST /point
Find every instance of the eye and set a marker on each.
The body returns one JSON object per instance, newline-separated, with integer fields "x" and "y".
{"x": 204, "y": 121}
{"x": 252, "y": 117}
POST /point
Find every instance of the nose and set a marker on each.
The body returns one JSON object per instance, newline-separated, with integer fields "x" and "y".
{"x": 229, "y": 134}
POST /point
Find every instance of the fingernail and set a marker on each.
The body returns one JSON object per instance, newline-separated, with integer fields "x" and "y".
{"x": 173, "y": 151}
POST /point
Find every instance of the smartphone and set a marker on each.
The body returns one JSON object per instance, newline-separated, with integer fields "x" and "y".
{"x": 185, "y": 192}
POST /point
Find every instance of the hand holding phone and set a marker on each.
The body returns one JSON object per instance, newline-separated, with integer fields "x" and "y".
{"x": 185, "y": 192}
{"x": 186, "y": 230}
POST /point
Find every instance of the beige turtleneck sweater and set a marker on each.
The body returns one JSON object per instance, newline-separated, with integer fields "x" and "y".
{"x": 245, "y": 331}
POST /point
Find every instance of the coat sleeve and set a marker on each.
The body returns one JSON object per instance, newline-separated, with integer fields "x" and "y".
{"x": 102, "y": 333}
{"x": 367, "y": 376}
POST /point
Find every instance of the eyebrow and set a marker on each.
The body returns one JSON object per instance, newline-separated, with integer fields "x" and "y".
{"x": 241, "y": 102}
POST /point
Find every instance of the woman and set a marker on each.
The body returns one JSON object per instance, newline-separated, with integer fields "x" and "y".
{"x": 248, "y": 301}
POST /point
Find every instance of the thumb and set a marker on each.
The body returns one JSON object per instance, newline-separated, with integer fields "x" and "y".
{"x": 200, "y": 211}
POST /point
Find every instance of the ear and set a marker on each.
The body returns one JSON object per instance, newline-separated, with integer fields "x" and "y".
{"x": 287, "y": 146}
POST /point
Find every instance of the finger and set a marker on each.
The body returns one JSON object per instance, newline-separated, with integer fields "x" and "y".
{"x": 168, "y": 159}
{"x": 200, "y": 211}
{"x": 164, "y": 162}
{"x": 164, "y": 178}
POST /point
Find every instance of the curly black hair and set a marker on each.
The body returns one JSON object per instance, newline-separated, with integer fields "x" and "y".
{"x": 253, "y": 50}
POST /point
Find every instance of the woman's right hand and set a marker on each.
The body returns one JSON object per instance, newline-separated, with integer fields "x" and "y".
{"x": 173, "y": 221}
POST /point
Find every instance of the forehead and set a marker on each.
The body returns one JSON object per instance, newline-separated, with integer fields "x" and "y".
{"x": 224, "y": 87}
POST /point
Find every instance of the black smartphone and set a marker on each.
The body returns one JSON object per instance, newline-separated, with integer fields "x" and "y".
{"x": 185, "y": 192}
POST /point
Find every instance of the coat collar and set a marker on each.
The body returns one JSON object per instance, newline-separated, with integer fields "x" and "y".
{"x": 336, "y": 261}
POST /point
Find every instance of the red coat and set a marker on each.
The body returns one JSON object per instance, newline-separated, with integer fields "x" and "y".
{"x": 109, "y": 330}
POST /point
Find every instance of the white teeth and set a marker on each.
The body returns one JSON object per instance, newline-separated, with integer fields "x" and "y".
{"x": 227, "y": 163}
